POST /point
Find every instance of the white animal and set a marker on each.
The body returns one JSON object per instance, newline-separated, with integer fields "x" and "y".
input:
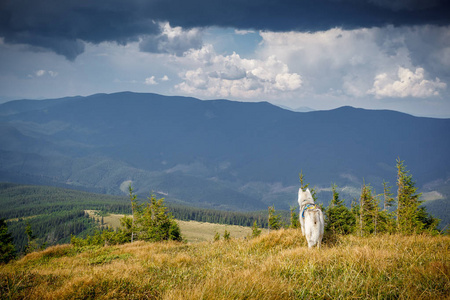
{"x": 311, "y": 218}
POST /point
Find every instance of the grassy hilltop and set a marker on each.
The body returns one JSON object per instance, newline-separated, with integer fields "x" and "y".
{"x": 273, "y": 266}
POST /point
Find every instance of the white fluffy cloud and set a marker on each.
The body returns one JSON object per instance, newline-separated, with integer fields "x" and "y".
{"x": 172, "y": 40}
{"x": 406, "y": 84}
{"x": 215, "y": 75}
{"x": 40, "y": 73}
{"x": 345, "y": 62}
{"x": 150, "y": 80}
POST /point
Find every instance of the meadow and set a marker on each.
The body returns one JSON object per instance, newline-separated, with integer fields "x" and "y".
{"x": 277, "y": 265}
{"x": 191, "y": 231}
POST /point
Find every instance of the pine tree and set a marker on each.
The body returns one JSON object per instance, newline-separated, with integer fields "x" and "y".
{"x": 134, "y": 210}
{"x": 31, "y": 240}
{"x": 226, "y": 235}
{"x": 368, "y": 211}
{"x": 386, "y": 217}
{"x": 411, "y": 218}
{"x": 295, "y": 221}
{"x": 7, "y": 249}
{"x": 156, "y": 224}
{"x": 429, "y": 222}
{"x": 389, "y": 200}
{"x": 304, "y": 186}
{"x": 150, "y": 222}
{"x": 255, "y": 230}
{"x": 340, "y": 220}
{"x": 407, "y": 202}
{"x": 274, "y": 220}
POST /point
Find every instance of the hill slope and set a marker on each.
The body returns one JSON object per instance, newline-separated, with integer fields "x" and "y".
{"x": 55, "y": 214}
{"x": 274, "y": 266}
{"x": 218, "y": 154}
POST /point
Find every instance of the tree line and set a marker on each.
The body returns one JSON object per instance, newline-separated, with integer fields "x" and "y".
{"x": 372, "y": 213}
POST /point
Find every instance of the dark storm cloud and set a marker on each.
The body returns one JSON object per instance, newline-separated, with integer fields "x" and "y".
{"x": 62, "y": 25}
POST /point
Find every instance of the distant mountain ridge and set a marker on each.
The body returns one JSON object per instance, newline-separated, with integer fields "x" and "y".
{"x": 218, "y": 153}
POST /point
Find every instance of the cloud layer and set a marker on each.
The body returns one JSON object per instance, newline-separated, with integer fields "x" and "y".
{"x": 63, "y": 26}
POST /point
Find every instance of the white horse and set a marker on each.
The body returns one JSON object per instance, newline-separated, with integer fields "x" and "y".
{"x": 311, "y": 218}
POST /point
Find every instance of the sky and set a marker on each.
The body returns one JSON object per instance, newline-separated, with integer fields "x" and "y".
{"x": 321, "y": 54}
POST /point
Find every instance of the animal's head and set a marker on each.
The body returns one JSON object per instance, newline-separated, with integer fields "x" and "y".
{"x": 304, "y": 197}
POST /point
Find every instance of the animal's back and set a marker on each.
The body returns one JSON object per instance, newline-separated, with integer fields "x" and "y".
{"x": 314, "y": 224}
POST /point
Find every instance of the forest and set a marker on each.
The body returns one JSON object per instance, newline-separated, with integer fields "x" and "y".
{"x": 55, "y": 214}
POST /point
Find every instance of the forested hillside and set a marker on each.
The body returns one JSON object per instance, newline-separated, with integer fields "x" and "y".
{"x": 54, "y": 214}
{"x": 216, "y": 154}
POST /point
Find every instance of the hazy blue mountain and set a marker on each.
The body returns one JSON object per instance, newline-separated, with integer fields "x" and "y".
{"x": 221, "y": 154}
{"x": 298, "y": 109}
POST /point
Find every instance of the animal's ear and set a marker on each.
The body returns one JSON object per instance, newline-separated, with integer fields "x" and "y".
{"x": 300, "y": 194}
{"x": 308, "y": 192}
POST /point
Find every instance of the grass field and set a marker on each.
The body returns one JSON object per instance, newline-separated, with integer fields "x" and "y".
{"x": 192, "y": 231}
{"x": 277, "y": 265}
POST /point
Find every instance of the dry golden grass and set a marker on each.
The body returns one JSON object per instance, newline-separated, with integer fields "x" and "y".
{"x": 110, "y": 220}
{"x": 193, "y": 231}
{"x": 273, "y": 266}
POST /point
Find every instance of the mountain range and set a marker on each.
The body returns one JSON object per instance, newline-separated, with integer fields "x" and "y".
{"x": 218, "y": 153}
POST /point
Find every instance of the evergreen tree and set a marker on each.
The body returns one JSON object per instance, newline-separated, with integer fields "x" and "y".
{"x": 335, "y": 201}
{"x": 155, "y": 224}
{"x": 408, "y": 202}
{"x": 274, "y": 220}
{"x": 340, "y": 220}
{"x": 7, "y": 249}
{"x": 126, "y": 229}
{"x": 255, "y": 230}
{"x": 31, "y": 240}
{"x": 295, "y": 221}
{"x": 175, "y": 231}
{"x": 368, "y": 211}
{"x": 386, "y": 217}
{"x": 226, "y": 235}
{"x": 389, "y": 200}
{"x": 134, "y": 210}
{"x": 303, "y": 185}
{"x": 429, "y": 222}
